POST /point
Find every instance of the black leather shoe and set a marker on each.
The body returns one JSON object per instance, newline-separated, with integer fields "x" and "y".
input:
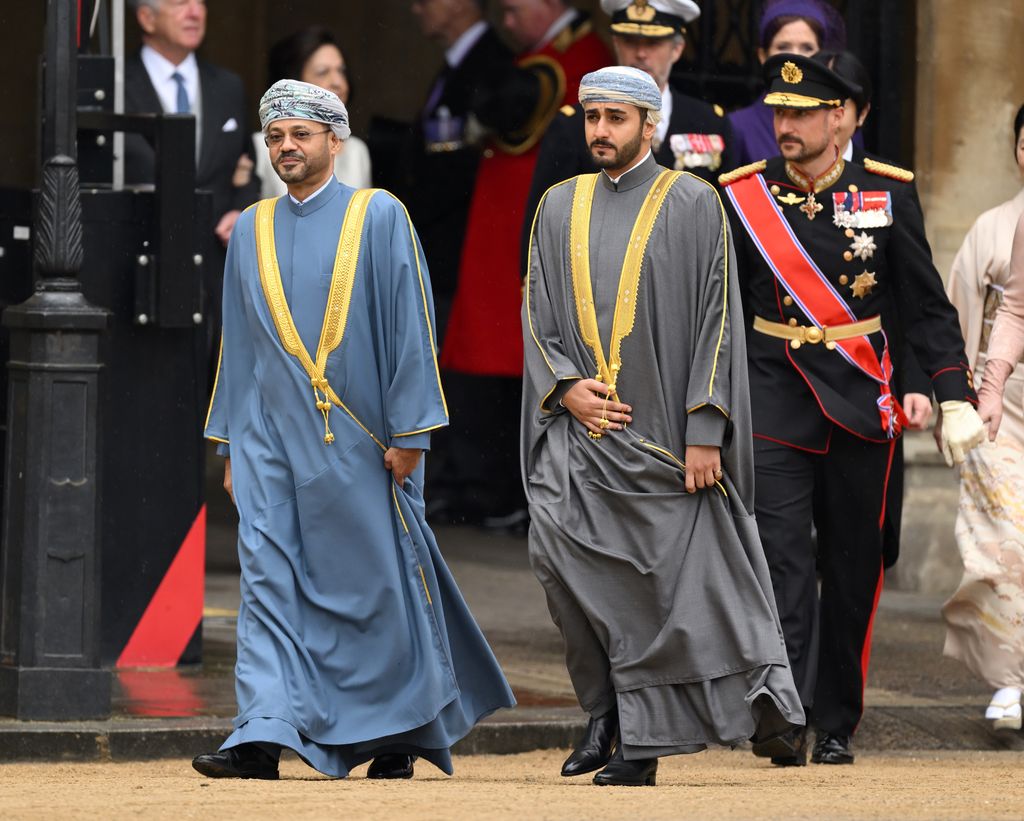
{"x": 243, "y": 761}
{"x": 830, "y": 748}
{"x": 621, "y": 773}
{"x": 786, "y": 750}
{"x": 596, "y": 747}
{"x": 392, "y": 765}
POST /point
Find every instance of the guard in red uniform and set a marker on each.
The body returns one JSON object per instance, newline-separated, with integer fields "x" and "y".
{"x": 826, "y": 250}
{"x": 483, "y": 350}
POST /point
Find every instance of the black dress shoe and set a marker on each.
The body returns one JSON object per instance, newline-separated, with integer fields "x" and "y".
{"x": 243, "y": 761}
{"x": 596, "y": 747}
{"x": 830, "y": 748}
{"x": 392, "y": 765}
{"x": 786, "y": 750}
{"x": 621, "y": 773}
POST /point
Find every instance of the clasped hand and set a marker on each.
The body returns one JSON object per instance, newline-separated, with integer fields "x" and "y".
{"x": 401, "y": 462}
{"x": 590, "y": 403}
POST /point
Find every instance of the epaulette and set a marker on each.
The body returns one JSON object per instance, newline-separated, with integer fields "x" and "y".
{"x": 567, "y": 110}
{"x": 718, "y": 110}
{"x": 742, "y": 172}
{"x": 885, "y": 170}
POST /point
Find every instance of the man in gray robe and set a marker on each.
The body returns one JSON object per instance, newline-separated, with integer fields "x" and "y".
{"x": 636, "y": 452}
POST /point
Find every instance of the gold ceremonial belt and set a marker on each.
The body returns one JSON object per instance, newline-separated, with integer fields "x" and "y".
{"x": 812, "y": 335}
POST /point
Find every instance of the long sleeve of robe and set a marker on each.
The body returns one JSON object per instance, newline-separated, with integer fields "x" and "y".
{"x": 353, "y": 639}
{"x": 663, "y": 598}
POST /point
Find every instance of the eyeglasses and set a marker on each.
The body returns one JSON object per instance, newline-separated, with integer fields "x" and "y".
{"x": 276, "y": 139}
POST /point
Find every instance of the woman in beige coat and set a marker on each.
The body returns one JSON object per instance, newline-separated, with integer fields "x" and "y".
{"x": 985, "y": 616}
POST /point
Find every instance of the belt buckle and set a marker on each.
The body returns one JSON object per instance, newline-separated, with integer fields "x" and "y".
{"x": 813, "y": 335}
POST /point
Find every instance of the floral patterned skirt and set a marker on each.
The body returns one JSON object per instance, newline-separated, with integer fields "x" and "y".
{"x": 985, "y": 616}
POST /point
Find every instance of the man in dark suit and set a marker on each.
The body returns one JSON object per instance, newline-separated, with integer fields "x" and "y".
{"x": 693, "y": 135}
{"x": 443, "y": 156}
{"x": 165, "y": 76}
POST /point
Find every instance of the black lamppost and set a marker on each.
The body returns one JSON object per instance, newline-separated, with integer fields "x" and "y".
{"x": 49, "y": 558}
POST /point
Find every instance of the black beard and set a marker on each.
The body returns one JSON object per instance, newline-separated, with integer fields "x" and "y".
{"x": 622, "y": 156}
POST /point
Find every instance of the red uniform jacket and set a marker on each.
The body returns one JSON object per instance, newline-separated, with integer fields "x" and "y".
{"x": 483, "y": 335}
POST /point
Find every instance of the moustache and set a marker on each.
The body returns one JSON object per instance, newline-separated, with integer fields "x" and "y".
{"x": 603, "y": 144}
{"x": 291, "y": 155}
{"x": 789, "y": 138}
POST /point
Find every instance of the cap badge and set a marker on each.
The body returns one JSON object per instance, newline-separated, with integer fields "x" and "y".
{"x": 791, "y": 73}
{"x": 639, "y": 11}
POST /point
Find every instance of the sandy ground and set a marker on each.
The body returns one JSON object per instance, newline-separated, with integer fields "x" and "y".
{"x": 712, "y": 786}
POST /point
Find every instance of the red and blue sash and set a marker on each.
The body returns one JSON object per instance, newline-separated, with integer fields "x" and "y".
{"x": 811, "y": 290}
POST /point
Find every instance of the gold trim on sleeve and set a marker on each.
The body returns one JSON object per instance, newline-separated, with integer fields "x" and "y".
{"x": 678, "y": 461}
{"x": 629, "y": 279}
{"x": 526, "y": 299}
{"x": 426, "y": 312}
{"x": 725, "y": 289}
{"x": 213, "y": 393}
{"x": 336, "y": 312}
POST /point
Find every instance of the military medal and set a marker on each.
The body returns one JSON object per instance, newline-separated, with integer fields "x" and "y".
{"x": 863, "y": 284}
{"x": 863, "y": 246}
{"x": 790, "y": 198}
{"x": 697, "y": 151}
{"x": 862, "y": 209}
{"x": 812, "y": 206}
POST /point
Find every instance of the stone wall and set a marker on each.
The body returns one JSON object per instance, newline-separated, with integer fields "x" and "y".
{"x": 970, "y": 83}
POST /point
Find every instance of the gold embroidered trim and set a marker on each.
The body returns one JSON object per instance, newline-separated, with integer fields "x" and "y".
{"x": 678, "y": 461}
{"x": 725, "y": 287}
{"x": 742, "y": 172}
{"x": 820, "y": 183}
{"x": 629, "y": 279}
{"x": 213, "y": 393}
{"x": 398, "y": 510}
{"x": 426, "y": 312}
{"x": 887, "y": 170}
{"x": 550, "y": 99}
{"x": 342, "y": 280}
{"x": 526, "y": 298}
{"x": 414, "y": 432}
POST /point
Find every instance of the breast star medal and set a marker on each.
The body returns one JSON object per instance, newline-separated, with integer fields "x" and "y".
{"x": 812, "y": 206}
{"x": 863, "y": 246}
{"x": 863, "y": 284}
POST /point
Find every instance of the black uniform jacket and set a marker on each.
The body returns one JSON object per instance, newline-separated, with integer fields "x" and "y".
{"x": 564, "y": 152}
{"x": 441, "y": 176}
{"x": 224, "y": 139}
{"x": 797, "y": 394}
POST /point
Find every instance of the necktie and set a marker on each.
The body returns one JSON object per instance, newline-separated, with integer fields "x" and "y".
{"x": 437, "y": 90}
{"x": 183, "y": 104}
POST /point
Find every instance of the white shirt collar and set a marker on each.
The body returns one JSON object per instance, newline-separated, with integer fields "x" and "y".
{"x": 661, "y": 130}
{"x": 457, "y": 51}
{"x": 618, "y": 179}
{"x": 160, "y": 70}
{"x": 309, "y": 199}
{"x": 848, "y": 151}
{"x": 565, "y": 19}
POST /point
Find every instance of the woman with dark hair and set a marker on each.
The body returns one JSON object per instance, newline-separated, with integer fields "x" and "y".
{"x": 313, "y": 56}
{"x": 985, "y": 616}
{"x": 787, "y": 26}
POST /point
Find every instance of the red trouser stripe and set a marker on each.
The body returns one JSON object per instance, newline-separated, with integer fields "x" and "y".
{"x": 865, "y": 653}
{"x": 176, "y": 609}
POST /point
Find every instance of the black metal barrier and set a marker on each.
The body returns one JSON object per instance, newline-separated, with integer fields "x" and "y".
{"x": 144, "y": 251}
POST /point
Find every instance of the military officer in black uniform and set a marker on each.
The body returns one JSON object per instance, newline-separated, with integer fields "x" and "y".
{"x": 693, "y": 135}
{"x": 825, "y": 249}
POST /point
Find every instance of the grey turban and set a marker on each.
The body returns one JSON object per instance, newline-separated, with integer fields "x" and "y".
{"x": 296, "y": 100}
{"x": 623, "y": 84}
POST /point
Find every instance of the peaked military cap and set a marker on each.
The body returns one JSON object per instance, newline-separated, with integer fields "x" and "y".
{"x": 795, "y": 81}
{"x": 650, "y": 18}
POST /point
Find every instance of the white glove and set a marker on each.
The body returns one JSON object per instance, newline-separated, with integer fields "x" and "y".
{"x": 962, "y": 429}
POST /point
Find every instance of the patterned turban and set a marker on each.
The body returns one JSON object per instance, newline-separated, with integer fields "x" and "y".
{"x": 623, "y": 84}
{"x": 295, "y": 100}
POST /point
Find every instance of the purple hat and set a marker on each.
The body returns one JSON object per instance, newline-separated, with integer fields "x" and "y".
{"x": 824, "y": 13}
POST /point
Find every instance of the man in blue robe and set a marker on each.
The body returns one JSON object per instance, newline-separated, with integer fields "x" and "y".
{"x": 354, "y": 642}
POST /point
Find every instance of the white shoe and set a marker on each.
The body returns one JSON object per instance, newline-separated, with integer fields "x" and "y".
{"x": 1004, "y": 711}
